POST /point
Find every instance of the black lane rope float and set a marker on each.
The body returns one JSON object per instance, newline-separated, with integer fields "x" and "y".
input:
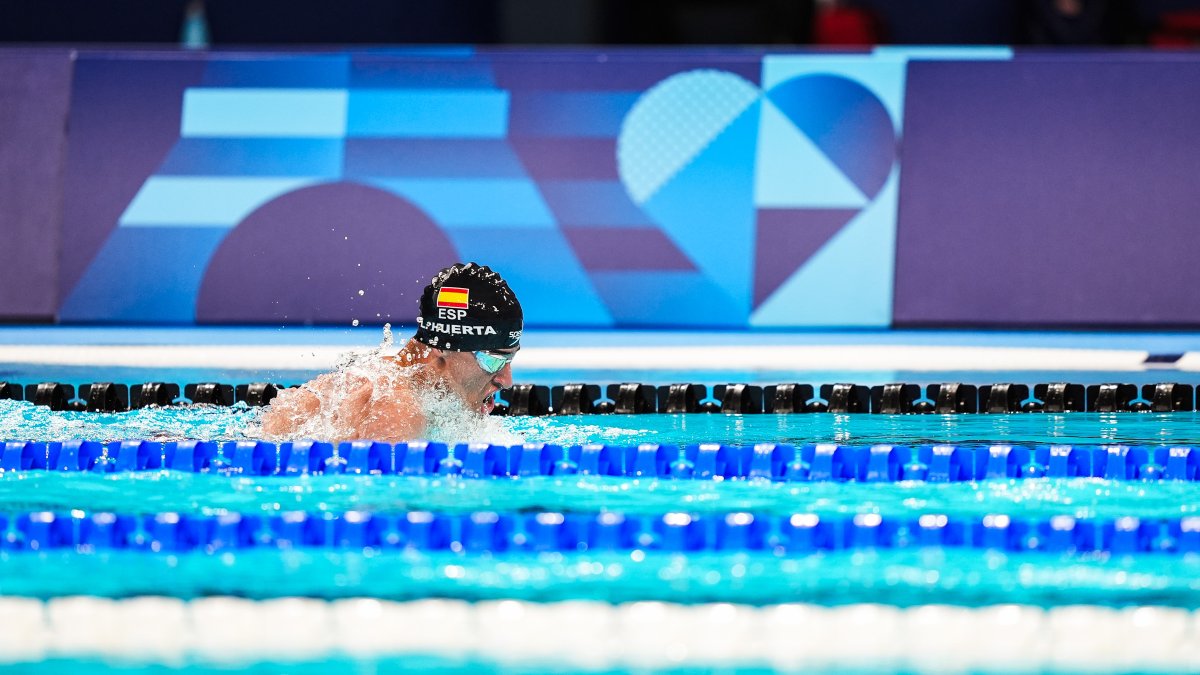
{"x": 897, "y": 398}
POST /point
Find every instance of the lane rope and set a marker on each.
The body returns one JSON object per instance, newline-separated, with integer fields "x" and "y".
{"x": 593, "y": 636}
{"x": 779, "y": 462}
{"x": 489, "y": 532}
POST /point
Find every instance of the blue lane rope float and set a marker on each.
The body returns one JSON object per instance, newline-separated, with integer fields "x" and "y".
{"x": 779, "y": 462}
{"x": 490, "y": 532}
{"x": 896, "y": 398}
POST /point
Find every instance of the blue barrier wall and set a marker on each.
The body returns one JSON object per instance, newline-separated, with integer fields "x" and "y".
{"x": 685, "y": 188}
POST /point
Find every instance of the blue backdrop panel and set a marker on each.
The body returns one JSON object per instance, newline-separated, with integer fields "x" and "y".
{"x": 698, "y": 188}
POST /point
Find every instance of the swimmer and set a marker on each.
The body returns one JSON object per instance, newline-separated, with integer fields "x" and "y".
{"x": 468, "y": 332}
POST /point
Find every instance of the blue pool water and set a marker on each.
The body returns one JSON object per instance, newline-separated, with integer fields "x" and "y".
{"x": 899, "y": 577}
{"x": 21, "y": 420}
{"x": 910, "y": 576}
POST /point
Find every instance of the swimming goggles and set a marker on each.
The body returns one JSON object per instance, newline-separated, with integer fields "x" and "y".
{"x": 493, "y": 362}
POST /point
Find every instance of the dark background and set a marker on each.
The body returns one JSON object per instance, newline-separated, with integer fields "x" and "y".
{"x": 608, "y": 22}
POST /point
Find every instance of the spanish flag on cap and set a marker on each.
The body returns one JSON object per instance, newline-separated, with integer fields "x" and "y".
{"x": 452, "y": 296}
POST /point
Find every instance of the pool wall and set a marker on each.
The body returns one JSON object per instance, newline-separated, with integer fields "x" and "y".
{"x": 613, "y": 188}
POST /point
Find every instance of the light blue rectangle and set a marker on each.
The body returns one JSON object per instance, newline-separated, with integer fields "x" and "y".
{"x": 428, "y": 113}
{"x": 947, "y": 53}
{"x": 166, "y": 201}
{"x": 475, "y": 203}
{"x": 274, "y": 113}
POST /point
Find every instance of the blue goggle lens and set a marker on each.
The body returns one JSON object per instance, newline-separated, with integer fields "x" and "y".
{"x": 493, "y": 362}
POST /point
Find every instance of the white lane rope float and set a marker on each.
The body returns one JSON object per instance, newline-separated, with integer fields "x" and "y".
{"x": 595, "y": 636}
{"x": 687, "y": 358}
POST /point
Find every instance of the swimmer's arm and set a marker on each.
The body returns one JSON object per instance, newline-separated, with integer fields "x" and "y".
{"x": 291, "y": 407}
{"x": 359, "y": 409}
{"x": 392, "y": 415}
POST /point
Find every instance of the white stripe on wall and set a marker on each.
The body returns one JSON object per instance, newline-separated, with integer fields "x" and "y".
{"x": 850, "y": 358}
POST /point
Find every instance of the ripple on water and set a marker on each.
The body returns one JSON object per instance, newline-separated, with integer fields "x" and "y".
{"x": 150, "y": 492}
{"x": 451, "y": 422}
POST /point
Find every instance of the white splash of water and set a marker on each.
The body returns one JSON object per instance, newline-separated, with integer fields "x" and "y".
{"x": 21, "y": 420}
{"x": 450, "y": 420}
{"x": 364, "y": 385}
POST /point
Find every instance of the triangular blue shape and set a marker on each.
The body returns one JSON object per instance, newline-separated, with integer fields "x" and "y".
{"x": 793, "y": 173}
{"x": 861, "y": 257}
{"x": 707, "y": 209}
{"x": 107, "y": 292}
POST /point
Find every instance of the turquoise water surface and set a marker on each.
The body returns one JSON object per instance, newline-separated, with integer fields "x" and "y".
{"x": 909, "y": 576}
{"x": 900, "y": 577}
{"x": 24, "y": 421}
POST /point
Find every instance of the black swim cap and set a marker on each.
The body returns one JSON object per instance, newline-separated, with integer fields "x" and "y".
{"x": 469, "y": 308}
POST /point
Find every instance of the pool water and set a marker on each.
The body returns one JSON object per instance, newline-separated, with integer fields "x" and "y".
{"x": 909, "y": 577}
{"x": 24, "y": 421}
{"x": 899, "y": 577}
{"x": 912, "y": 576}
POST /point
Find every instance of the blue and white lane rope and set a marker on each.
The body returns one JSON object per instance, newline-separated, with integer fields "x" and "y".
{"x": 704, "y": 461}
{"x": 593, "y": 636}
{"x": 680, "y": 532}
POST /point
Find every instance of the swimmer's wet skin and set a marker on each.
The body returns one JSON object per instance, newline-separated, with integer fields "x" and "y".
{"x": 468, "y": 332}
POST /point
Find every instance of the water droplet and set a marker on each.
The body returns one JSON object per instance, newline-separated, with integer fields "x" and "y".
{"x": 354, "y": 322}
{"x": 360, "y": 291}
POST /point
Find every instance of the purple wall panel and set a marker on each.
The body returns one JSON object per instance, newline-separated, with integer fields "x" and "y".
{"x": 34, "y": 94}
{"x": 1050, "y": 191}
{"x": 115, "y": 142}
{"x": 1045, "y": 190}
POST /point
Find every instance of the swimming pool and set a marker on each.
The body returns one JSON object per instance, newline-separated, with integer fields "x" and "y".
{"x": 673, "y": 569}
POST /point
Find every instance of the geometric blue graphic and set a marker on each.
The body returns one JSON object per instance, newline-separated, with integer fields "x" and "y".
{"x": 843, "y": 119}
{"x": 707, "y": 209}
{"x": 583, "y": 203}
{"x": 557, "y": 286}
{"x": 573, "y": 114}
{"x": 793, "y": 172}
{"x": 849, "y": 108}
{"x": 673, "y": 121}
{"x": 264, "y": 113}
{"x": 139, "y": 276}
{"x": 466, "y": 202}
{"x": 166, "y": 201}
{"x": 427, "y": 113}
{"x": 270, "y": 157}
{"x": 836, "y": 115}
{"x": 701, "y": 199}
{"x": 825, "y": 146}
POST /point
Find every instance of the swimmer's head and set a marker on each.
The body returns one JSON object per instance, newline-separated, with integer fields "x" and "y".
{"x": 469, "y": 308}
